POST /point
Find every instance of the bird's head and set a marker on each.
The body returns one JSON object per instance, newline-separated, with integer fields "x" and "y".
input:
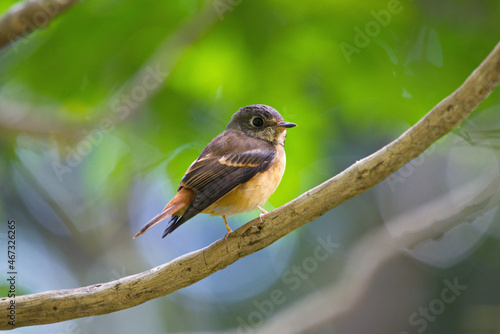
{"x": 260, "y": 121}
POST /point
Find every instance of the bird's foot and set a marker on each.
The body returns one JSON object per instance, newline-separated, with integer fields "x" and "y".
{"x": 263, "y": 213}
{"x": 229, "y": 231}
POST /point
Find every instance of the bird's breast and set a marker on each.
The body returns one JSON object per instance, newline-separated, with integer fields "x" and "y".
{"x": 246, "y": 196}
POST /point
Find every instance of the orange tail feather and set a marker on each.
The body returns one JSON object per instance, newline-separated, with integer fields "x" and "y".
{"x": 176, "y": 206}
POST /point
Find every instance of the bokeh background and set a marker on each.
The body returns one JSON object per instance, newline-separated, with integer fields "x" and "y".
{"x": 102, "y": 111}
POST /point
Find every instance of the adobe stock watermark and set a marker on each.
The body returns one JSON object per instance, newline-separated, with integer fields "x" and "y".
{"x": 455, "y": 139}
{"x": 74, "y": 326}
{"x": 39, "y": 18}
{"x": 372, "y": 29}
{"x": 224, "y": 6}
{"x": 407, "y": 170}
{"x": 80, "y": 326}
{"x": 421, "y": 318}
{"x": 122, "y": 106}
{"x": 293, "y": 279}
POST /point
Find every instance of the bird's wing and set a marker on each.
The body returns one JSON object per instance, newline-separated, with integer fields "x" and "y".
{"x": 212, "y": 177}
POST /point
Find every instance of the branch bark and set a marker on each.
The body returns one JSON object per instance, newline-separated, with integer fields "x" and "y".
{"x": 25, "y": 17}
{"x": 60, "y": 305}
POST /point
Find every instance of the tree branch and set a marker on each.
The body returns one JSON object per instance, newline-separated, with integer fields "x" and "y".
{"x": 60, "y": 305}
{"x": 25, "y": 17}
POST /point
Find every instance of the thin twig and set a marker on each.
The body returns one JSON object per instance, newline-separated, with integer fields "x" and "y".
{"x": 25, "y": 17}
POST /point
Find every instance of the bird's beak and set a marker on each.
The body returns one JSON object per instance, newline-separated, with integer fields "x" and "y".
{"x": 285, "y": 125}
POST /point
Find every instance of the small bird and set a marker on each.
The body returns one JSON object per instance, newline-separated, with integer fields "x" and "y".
{"x": 236, "y": 172}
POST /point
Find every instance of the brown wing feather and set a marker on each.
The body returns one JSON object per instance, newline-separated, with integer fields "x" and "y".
{"x": 211, "y": 169}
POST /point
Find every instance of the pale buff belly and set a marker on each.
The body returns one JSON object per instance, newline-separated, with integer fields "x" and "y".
{"x": 256, "y": 191}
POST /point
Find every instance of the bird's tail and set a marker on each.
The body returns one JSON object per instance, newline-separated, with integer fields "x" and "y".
{"x": 168, "y": 212}
{"x": 176, "y": 206}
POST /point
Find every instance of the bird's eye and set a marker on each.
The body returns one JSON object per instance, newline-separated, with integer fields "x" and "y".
{"x": 257, "y": 122}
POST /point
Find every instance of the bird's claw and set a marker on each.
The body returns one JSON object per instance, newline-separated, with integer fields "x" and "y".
{"x": 262, "y": 214}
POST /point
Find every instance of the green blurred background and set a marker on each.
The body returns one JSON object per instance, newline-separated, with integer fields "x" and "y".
{"x": 102, "y": 111}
